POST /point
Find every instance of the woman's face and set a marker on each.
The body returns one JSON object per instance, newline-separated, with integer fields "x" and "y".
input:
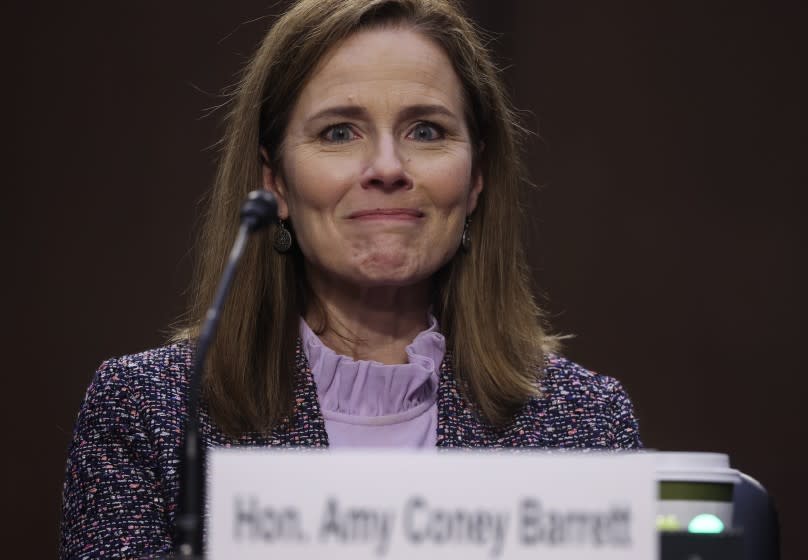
{"x": 377, "y": 176}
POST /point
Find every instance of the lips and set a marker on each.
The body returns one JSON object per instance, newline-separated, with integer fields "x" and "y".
{"x": 387, "y": 213}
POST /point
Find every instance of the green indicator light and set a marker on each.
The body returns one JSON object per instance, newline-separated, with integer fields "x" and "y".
{"x": 668, "y": 523}
{"x": 705, "y": 523}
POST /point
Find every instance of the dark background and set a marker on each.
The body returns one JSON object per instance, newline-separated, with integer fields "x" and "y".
{"x": 667, "y": 233}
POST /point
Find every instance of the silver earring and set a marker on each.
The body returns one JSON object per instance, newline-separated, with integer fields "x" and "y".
{"x": 283, "y": 238}
{"x": 465, "y": 241}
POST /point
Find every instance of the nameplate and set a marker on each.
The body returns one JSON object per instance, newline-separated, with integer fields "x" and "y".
{"x": 427, "y": 505}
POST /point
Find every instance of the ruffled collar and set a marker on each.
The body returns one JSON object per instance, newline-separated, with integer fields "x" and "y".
{"x": 366, "y": 388}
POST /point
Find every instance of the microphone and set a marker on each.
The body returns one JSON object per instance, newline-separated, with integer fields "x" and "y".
{"x": 259, "y": 210}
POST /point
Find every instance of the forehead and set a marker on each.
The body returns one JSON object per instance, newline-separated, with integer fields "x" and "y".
{"x": 383, "y": 64}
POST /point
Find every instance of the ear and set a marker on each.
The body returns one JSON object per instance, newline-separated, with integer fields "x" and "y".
{"x": 476, "y": 189}
{"x": 273, "y": 183}
{"x": 476, "y": 179}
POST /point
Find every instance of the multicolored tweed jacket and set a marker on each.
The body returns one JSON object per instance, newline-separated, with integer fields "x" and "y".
{"x": 121, "y": 486}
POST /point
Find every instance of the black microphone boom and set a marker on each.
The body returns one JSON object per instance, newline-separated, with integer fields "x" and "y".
{"x": 258, "y": 211}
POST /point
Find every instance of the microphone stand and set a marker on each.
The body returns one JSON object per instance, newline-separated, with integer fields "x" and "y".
{"x": 258, "y": 211}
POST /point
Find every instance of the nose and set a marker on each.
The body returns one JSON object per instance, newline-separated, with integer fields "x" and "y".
{"x": 385, "y": 167}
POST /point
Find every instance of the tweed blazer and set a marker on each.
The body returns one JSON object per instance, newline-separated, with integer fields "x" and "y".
{"x": 122, "y": 482}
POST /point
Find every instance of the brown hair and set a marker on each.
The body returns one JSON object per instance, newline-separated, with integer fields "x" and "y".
{"x": 482, "y": 297}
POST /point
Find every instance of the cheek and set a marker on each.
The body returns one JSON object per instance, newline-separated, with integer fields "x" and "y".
{"x": 448, "y": 184}
{"x": 316, "y": 183}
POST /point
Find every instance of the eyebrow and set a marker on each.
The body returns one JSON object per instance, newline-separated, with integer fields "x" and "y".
{"x": 358, "y": 112}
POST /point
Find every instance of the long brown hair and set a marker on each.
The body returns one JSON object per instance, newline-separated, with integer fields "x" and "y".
{"x": 482, "y": 298}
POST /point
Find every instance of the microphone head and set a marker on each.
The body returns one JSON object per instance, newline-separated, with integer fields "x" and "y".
{"x": 259, "y": 210}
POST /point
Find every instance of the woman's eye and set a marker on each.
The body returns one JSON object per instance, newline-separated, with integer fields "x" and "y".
{"x": 338, "y": 133}
{"x": 425, "y": 132}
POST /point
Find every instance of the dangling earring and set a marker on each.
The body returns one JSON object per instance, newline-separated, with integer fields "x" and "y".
{"x": 465, "y": 241}
{"x": 283, "y": 238}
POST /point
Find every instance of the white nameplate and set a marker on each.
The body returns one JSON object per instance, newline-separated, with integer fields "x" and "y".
{"x": 357, "y": 505}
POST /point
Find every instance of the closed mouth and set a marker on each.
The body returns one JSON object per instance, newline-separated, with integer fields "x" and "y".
{"x": 392, "y": 213}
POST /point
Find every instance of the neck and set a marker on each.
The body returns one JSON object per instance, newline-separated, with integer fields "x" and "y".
{"x": 376, "y": 323}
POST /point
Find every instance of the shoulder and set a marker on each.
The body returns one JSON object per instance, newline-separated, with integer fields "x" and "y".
{"x": 138, "y": 388}
{"x": 578, "y": 407}
{"x": 564, "y": 379}
{"x": 132, "y": 410}
{"x": 143, "y": 373}
{"x": 121, "y": 467}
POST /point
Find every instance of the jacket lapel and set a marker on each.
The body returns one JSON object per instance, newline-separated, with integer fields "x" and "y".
{"x": 460, "y": 424}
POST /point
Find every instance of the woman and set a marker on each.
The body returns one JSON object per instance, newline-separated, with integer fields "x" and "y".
{"x": 390, "y": 307}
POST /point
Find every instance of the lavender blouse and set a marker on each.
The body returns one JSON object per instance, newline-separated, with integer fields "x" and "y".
{"x": 370, "y": 404}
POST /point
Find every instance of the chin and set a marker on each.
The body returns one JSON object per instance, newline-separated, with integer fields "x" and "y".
{"x": 387, "y": 272}
{"x": 384, "y": 278}
{"x": 397, "y": 267}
